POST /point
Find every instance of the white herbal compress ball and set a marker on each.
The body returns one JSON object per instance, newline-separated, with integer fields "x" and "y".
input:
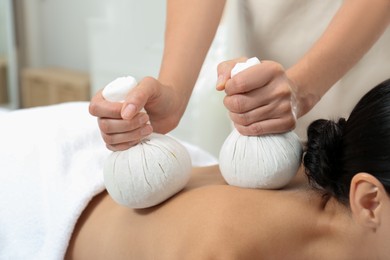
{"x": 265, "y": 162}
{"x": 148, "y": 173}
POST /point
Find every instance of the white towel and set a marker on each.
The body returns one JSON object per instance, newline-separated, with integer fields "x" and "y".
{"x": 51, "y": 161}
{"x": 50, "y": 167}
{"x": 3, "y": 110}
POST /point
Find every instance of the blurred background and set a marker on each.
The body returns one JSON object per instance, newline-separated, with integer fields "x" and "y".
{"x": 54, "y": 51}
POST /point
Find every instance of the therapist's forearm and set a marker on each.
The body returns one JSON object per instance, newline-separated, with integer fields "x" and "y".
{"x": 190, "y": 29}
{"x": 352, "y": 32}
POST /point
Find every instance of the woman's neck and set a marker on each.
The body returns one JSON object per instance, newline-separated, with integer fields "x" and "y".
{"x": 339, "y": 227}
{"x": 334, "y": 232}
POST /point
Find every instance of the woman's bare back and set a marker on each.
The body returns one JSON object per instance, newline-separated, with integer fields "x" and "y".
{"x": 208, "y": 219}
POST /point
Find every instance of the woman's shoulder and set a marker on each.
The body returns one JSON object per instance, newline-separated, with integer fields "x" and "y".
{"x": 239, "y": 221}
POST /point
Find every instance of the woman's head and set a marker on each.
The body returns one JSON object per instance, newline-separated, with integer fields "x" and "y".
{"x": 337, "y": 151}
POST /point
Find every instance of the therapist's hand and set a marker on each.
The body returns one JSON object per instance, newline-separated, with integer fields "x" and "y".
{"x": 122, "y": 125}
{"x": 261, "y": 99}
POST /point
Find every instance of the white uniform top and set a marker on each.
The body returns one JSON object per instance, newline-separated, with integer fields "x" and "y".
{"x": 284, "y": 30}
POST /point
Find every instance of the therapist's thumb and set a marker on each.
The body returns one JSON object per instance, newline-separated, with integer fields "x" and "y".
{"x": 138, "y": 97}
{"x": 224, "y": 69}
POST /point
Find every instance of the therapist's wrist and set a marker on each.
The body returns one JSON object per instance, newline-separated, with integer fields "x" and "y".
{"x": 177, "y": 98}
{"x": 181, "y": 90}
{"x": 306, "y": 101}
{"x": 305, "y": 95}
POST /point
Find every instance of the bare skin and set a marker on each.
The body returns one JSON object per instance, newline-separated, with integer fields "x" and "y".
{"x": 212, "y": 220}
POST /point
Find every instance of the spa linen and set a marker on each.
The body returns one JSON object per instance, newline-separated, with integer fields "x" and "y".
{"x": 51, "y": 161}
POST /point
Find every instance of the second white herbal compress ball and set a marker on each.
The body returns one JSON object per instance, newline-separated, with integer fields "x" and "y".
{"x": 264, "y": 162}
{"x": 148, "y": 173}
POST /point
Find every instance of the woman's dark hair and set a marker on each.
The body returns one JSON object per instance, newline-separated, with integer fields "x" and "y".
{"x": 336, "y": 151}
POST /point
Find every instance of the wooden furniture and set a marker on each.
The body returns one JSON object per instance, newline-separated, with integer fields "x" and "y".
{"x": 3, "y": 81}
{"x": 47, "y": 86}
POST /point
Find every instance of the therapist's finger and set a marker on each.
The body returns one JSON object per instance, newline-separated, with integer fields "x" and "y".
{"x": 271, "y": 126}
{"x": 273, "y": 94}
{"x": 100, "y": 107}
{"x": 115, "y": 126}
{"x": 122, "y": 146}
{"x": 127, "y": 137}
{"x": 257, "y": 76}
{"x": 147, "y": 89}
{"x": 224, "y": 69}
{"x": 263, "y": 113}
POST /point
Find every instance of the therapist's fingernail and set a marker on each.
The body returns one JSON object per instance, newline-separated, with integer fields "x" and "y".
{"x": 129, "y": 111}
{"x": 221, "y": 82}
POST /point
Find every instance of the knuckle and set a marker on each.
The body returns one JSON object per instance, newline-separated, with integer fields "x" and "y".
{"x": 110, "y": 147}
{"x": 226, "y": 101}
{"x": 127, "y": 125}
{"x": 285, "y": 108}
{"x": 234, "y": 117}
{"x": 117, "y": 147}
{"x": 276, "y": 68}
{"x": 143, "y": 89}
{"x": 149, "y": 84}
{"x": 244, "y": 130}
{"x": 255, "y": 129}
{"x": 236, "y": 103}
{"x": 239, "y": 84}
{"x": 132, "y": 143}
{"x": 104, "y": 125}
{"x": 108, "y": 139}
{"x": 290, "y": 123}
{"x": 122, "y": 147}
{"x": 136, "y": 96}
{"x": 242, "y": 119}
{"x": 148, "y": 80}
{"x": 284, "y": 91}
{"x": 93, "y": 108}
{"x": 226, "y": 65}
